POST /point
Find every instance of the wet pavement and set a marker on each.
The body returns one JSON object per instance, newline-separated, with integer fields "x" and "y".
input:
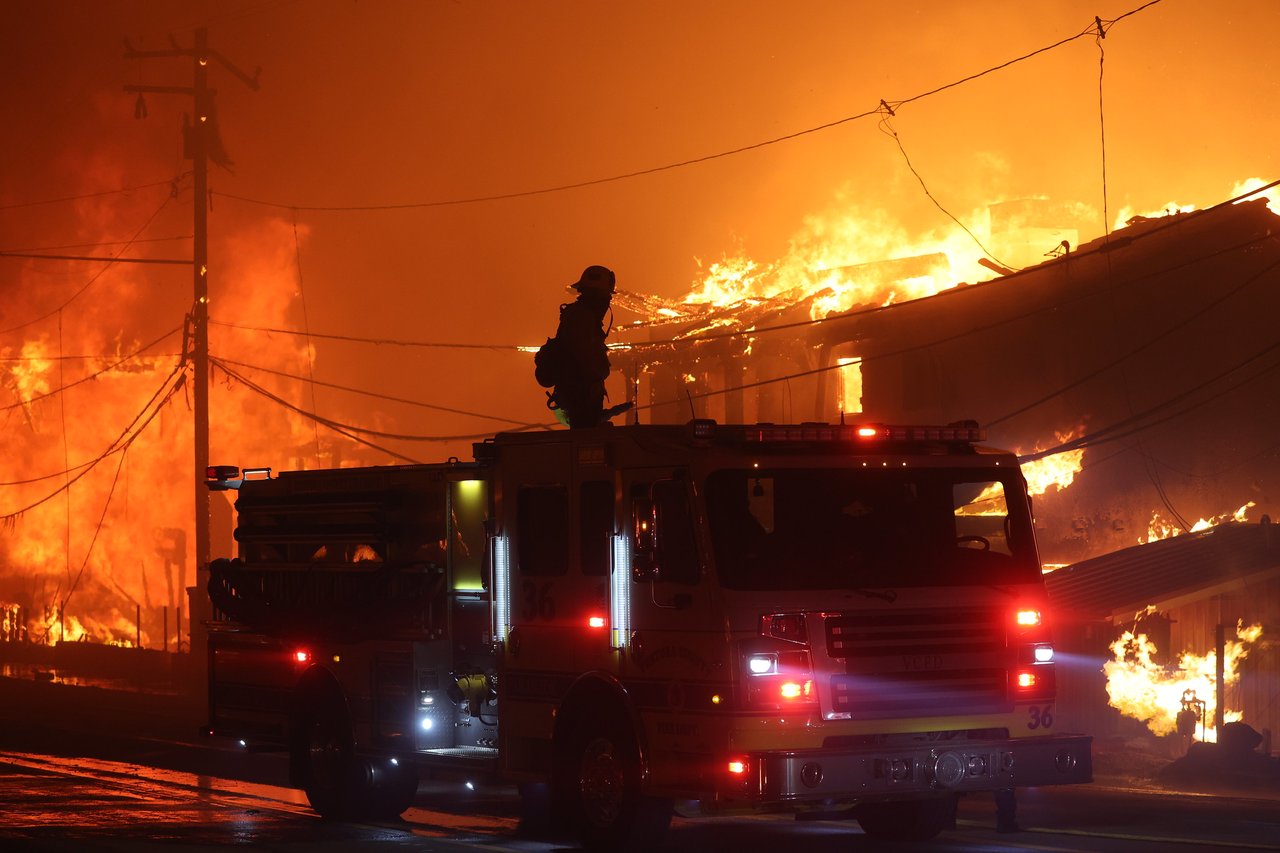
{"x": 91, "y": 769}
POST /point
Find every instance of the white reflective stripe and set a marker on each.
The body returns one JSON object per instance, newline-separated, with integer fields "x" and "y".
{"x": 501, "y": 588}
{"x": 620, "y": 591}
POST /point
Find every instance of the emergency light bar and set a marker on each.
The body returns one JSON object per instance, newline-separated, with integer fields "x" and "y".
{"x": 966, "y": 431}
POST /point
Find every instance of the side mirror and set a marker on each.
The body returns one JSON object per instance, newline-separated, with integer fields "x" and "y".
{"x": 644, "y": 540}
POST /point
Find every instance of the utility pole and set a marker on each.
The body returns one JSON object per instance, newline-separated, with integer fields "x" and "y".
{"x": 198, "y": 150}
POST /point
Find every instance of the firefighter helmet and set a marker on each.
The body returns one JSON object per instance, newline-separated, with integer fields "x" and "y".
{"x": 595, "y": 278}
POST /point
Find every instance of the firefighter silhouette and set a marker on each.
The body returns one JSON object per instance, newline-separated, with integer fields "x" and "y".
{"x": 579, "y": 364}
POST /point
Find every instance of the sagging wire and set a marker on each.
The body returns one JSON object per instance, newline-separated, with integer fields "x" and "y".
{"x": 683, "y": 163}
{"x": 886, "y": 127}
{"x": 106, "y": 505}
{"x": 338, "y": 425}
{"x": 1192, "y": 317}
{"x": 1134, "y": 424}
{"x": 59, "y": 200}
{"x": 737, "y": 333}
{"x": 306, "y": 325}
{"x": 108, "y": 264}
{"x": 1102, "y": 128}
{"x": 365, "y": 340}
{"x": 90, "y": 377}
{"x": 378, "y": 395}
{"x": 173, "y": 383}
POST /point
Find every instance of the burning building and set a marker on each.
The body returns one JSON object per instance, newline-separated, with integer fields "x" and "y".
{"x": 1144, "y": 629}
{"x": 1141, "y": 363}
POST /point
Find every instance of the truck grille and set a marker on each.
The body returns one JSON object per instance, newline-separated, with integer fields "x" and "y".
{"x": 917, "y": 662}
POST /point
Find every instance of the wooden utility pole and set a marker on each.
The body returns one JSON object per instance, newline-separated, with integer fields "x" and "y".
{"x": 197, "y": 150}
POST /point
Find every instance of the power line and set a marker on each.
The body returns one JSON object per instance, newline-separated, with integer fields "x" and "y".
{"x": 363, "y": 340}
{"x": 1133, "y": 424}
{"x": 374, "y": 394}
{"x": 99, "y": 244}
{"x": 682, "y": 163}
{"x": 106, "y": 266}
{"x": 886, "y": 127}
{"x": 338, "y": 425}
{"x": 128, "y": 435}
{"x": 753, "y": 332}
{"x": 186, "y": 262}
{"x": 90, "y": 377}
{"x": 1197, "y": 315}
{"x": 967, "y": 332}
{"x": 59, "y": 200}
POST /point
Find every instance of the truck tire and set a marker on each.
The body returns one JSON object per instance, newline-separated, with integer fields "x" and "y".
{"x": 909, "y": 820}
{"x": 599, "y": 787}
{"x": 340, "y": 784}
{"x": 326, "y": 761}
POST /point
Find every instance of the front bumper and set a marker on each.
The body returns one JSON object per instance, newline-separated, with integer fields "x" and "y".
{"x": 890, "y": 772}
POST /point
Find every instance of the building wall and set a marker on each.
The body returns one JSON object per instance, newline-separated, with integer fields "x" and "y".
{"x": 1257, "y": 693}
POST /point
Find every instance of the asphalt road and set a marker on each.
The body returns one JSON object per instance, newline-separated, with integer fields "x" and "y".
{"x": 94, "y": 770}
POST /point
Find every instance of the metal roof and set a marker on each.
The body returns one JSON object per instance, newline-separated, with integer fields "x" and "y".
{"x": 1135, "y": 577}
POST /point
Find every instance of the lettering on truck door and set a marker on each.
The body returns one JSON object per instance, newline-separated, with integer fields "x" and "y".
{"x": 675, "y": 659}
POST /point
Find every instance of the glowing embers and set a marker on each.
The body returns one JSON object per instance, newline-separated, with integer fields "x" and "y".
{"x": 1142, "y": 688}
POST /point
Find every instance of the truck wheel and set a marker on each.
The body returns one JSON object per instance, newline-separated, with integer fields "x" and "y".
{"x": 327, "y": 761}
{"x": 601, "y": 791}
{"x": 911, "y": 820}
{"x": 340, "y": 784}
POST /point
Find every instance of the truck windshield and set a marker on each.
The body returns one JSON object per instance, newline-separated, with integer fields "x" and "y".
{"x": 823, "y": 528}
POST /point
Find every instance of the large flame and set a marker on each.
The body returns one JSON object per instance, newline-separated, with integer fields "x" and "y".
{"x": 1056, "y": 471}
{"x": 1162, "y": 528}
{"x": 849, "y": 257}
{"x": 105, "y": 554}
{"x": 1144, "y": 690}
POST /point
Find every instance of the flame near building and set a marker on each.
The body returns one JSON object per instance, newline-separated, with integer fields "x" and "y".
{"x": 98, "y": 503}
{"x": 1144, "y": 690}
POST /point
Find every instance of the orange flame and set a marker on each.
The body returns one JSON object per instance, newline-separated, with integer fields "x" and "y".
{"x": 1162, "y": 528}
{"x": 1144, "y": 690}
{"x": 1057, "y": 471}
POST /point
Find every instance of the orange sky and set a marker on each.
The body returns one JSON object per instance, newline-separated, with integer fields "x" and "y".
{"x": 380, "y": 102}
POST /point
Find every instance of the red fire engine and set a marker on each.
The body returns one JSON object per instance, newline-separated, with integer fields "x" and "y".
{"x": 840, "y": 620}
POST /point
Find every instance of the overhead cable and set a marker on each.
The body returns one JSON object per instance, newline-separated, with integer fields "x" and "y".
{"x": 338, "y": 425}
{"x": 364, "y": 340}
{"x": 1137, "y": 423}
{"x": 90, "y": 377}
{"x": 106, "y": 266}
{"x": 780, "y": 327}
{"x": 1198, "y": 314}
{"x": 682, "y": 163}
{"x": 164, "y": 393}
{"x": 375, "y": 394}
{"x": 20, "y": 204}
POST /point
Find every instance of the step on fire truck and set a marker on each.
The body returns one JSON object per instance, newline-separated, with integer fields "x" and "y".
{"x": 836, "y": 620}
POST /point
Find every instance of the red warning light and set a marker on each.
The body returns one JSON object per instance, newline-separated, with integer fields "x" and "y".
{"x": 595, "y": 622}
{"x": 302, "y": 656}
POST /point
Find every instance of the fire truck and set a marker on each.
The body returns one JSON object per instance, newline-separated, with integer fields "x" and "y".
{"x": 837, "y": 620}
